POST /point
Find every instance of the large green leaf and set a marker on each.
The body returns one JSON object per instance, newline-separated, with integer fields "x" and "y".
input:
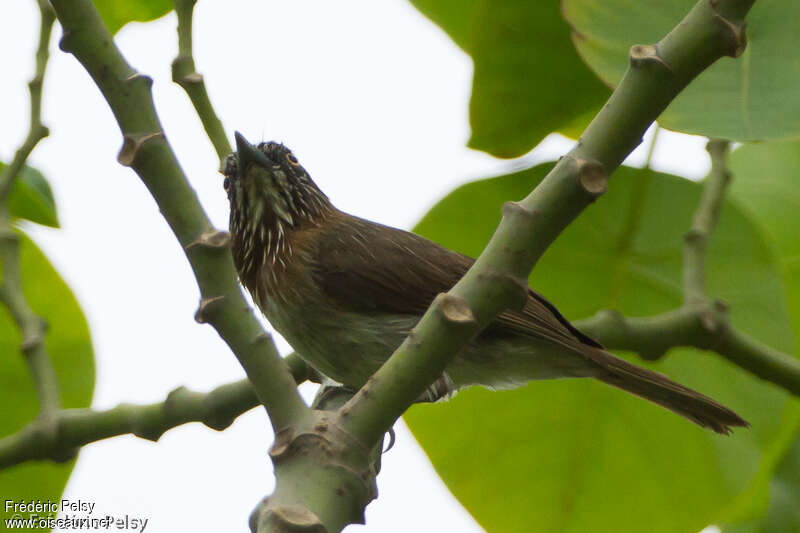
{"x": 117, "y": 13}
{"x": 456, "y": 17}
{"x": 70, "y": 349}
{"x": 576, "y": 455}
{"x": 528, "y": 80}
{"x": 783, "y": 512}
{"x": 764, "y": 185}
{"x": 31, "y": 198}
{"x": 751, "y": 98}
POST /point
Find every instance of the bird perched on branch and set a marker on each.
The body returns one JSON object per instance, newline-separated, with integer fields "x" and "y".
{"x": 345, "y": 292}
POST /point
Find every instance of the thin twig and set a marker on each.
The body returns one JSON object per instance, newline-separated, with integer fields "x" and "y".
{"x": 700, "y": 322}
{"x": 705, "y": 219}
{"x": 702, "y": 325}
{"x": 216, "y": 409}
{"x": 185, "y": 74}
{"x": 32, "y": 327}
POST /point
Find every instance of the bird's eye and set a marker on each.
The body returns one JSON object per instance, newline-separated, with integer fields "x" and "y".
{"x": 292, "y": 159}
{"x": 226, "y": 184}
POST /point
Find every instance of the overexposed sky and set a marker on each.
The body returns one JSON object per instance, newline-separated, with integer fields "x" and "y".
{"x": 373, "y": 100}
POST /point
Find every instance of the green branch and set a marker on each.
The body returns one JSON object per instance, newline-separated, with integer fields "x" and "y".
{"x": 32, "y": 327}
{"x": 37, "y": 131}
{"x": 184, "y": 74}
{"x": 146, "y": 150}
{"x": 702, "y": 325}
{"x": 705, "y": 219}
{"x": 700, "y": 322}
{"x": 498, "y": 279}
{"x": 77, "y": 427}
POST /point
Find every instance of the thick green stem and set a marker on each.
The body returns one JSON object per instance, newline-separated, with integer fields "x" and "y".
{"x": 146, "y": 150}
{"x": 657, "y": 73}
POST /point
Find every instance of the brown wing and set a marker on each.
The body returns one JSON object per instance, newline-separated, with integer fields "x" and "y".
{"x": 366, "y": 267}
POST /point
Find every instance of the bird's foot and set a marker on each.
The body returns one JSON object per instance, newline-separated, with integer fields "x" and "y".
{"x": 441, "y": 389}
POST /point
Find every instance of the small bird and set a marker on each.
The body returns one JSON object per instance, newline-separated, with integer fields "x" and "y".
{"x": 345, "y": 292}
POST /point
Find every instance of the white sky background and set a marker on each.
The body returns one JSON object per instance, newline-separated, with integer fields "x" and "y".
{"x": 371, "y": 97}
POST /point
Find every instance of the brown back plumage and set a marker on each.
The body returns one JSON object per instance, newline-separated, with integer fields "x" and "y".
{"x": 388, "y": 270}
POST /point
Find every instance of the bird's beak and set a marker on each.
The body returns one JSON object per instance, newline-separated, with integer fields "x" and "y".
{"x": 247, "y": 154}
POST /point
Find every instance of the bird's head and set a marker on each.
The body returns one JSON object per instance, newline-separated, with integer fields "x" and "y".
{"x": 267, "y": 185}
{"x": 270, "y": 195}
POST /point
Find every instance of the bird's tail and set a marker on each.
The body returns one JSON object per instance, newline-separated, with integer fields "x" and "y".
{"x": 659, "y": 389}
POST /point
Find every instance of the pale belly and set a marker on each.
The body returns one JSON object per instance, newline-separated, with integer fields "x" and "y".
{"x": 349, "y": 347}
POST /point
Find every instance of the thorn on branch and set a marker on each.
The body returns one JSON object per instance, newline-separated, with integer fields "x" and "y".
{"x": 138, "y": 77}
{"x": 644, "y": 55}
{"x": 214, "y": 239}
{"x": 290, "y": 518}
{"x": 735, "y": 33}
{"x": 206, "y": 305}
{"x": 455, "y": 310}
{"x": 592, "y": 176}
{"x": 695, "y": 235}
{"x": 27, "y": 346}
{"x": 283, "y": 440}
{"x": 132, "y": 144}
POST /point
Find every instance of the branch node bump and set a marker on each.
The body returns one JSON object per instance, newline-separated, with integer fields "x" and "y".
{"x": 592, "y": 176}
{"x": 292, "y": 518}
{"x": 735, "y": 33}
{"x": 510, "y": 285}
{"x": 192, "y": 78}
{"x": 214, "y": 239}
{"x": 516, "y": 208}
{"x": 262, "y": 337}
{"x": 131, "y": 145}
{"x": 721, "y": 306}
{"x": 612, "y": 315}
{"x": 455, "y": 309}
{"x": 642, "y": 55}
{"x": 139, "y": 77}
{"x": 255, "y": 514}
{"x": 173, "y": 396}
{"x": 283, "y": 440}
{"x": 201, "y": 316}
{"x": 694, "y": 235}
{"x": 64, "y": 42}
{"x": 29, "y": 345}
{"x": 709, "y": 319}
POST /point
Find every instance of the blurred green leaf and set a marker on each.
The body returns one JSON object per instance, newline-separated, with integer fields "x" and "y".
{"x": 783, "y": 511}
{"x": 528, "y": 79}
{"x": 764, "y": 185}
{"x": 753, "y": 97}
{"x": 117, "y": 13}
{"x": 455, "y": 17}
{"x": 70, "y": 348}
{"x": 31, "y": 198}
{"x": 577, "y": 455}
